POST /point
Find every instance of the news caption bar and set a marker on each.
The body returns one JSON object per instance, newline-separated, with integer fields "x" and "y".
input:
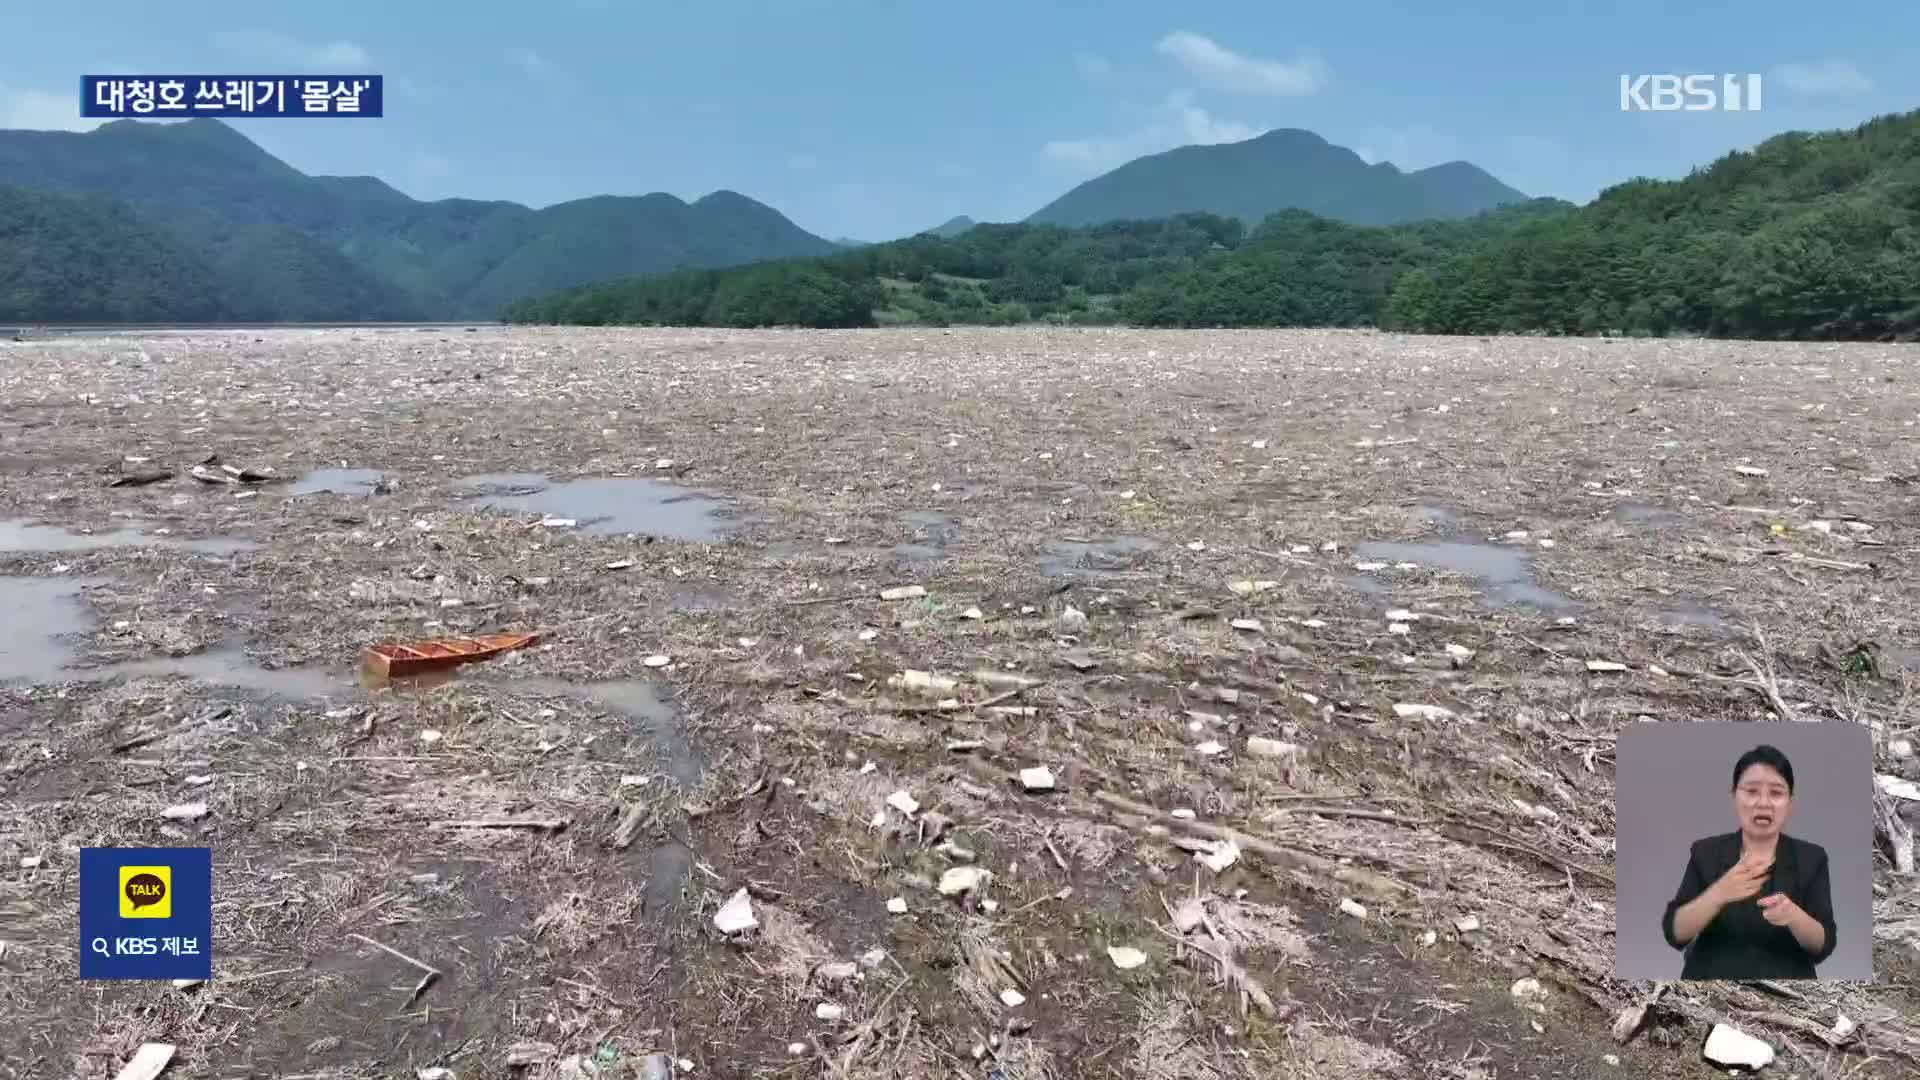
{"x": 115, "y": 96}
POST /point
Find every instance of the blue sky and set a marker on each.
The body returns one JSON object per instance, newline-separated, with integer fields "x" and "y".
{"x": 876, "y": 119}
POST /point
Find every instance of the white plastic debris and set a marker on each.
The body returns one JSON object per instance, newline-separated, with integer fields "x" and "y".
{"x": 1728, "y": 1046}
{"x": 1748, "y": 470}
{"x": 736, "y": 914}
{"x": 1897, "y": 787}
{"x": 1459, "y": 653}
{"x": 1402, "y": 615}
{"x": 30, "y": 862}
{"x": 903, "y": 592}
{"x": 1039, "y": 778}
{"x": 1250, "y": 588}
{"x": 658, "y": 660}
{"x": 1125, "y": 957}
{"x": 1900, "y": 748}
{"x": 962, "y": 879}
{"x": 1429, "y": 937}
{"x": 1422, "y": 712}
{"x": 434, "y": 1072}
{"x": 147, "y": 1062}
{"x": 1528, "y": 988}
{"x": 1012, "y": 998}
{"x": 192, "y": 811}
{"x": 1842, "y": 1026}
{"x": 1261, "y": 746}
{"x": 973, "y": 613}
{"x": 1209, "y": 748}
{"x": 904, "y": 802}
{"x": 1353, "y": 908}
{"x": 1250, "y": 625}
{"x": 1605, "y": 665}
{"x": 828, "y": 1011}
{"x": 1400, "y": 629}
{"x": 868, "y": 634}
{"x": 897, "y": 905}
{"x": 796, "y": 1048}
{"x": 1184, "y": 813}
{"x": 1467, "y": 924}
{"x": 1223, "y": 854}
{"x": 1072, "y": 620}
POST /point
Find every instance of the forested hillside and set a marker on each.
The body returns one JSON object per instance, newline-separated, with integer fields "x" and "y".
{"x": 1805, "y": 237}
{"x": 986, "y": 274}
{"x": 74, "y": 258}
{"x": 294, "y": 247}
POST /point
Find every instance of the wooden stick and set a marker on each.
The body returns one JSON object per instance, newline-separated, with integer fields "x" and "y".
{"x": 1379, "y": 884}
{"x": 505, "y": 823}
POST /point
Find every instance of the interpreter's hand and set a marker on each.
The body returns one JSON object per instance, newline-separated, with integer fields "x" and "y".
{"x": 1779, "y": 909}
{"x": 1746, "y": 878}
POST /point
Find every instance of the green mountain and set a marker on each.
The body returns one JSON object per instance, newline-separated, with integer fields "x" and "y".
{"x": 1807, "y": 236}
{"x": 86, "y": 258}
{"x": 955, "y": 226}
{"x": 1285, "y": 169}
{"x": 328, "y": 247}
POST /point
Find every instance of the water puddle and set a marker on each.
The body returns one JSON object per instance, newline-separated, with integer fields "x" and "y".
{"x": 41, "y": 614}
{"x": 642, "y": 702}
{"x": 1637, "y": 513}
{"x": 337, "y": 482}
{"x": 1109, "y": 555}
{"x": 1503, "y": 571}
{"x": 700, "y": 600}
{"x": 605, "y": 505}
{"x": 932, "y": 527}
{"x": 21, "y": 535}
{"x": 1691, "y": 614}
{"x": 929, "y": 532}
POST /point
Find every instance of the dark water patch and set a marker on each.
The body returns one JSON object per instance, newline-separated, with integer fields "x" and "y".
{"x": 1688, "y": 613}
{"x": 336, "y": 482}
{"x": 20, "y": 535}
{"x": 655, "y": 718}
{"x": 605, "y": 505}
{"x": 42, "y": 614}
{"x": 1639, "y": 513}
{"x": 1095, "y": 556}
{"x": 701, "y": 600}
{"x": 1505, "y": 572}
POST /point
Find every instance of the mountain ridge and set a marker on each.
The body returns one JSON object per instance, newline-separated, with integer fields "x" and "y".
{"x": 442, "y": 258}
{"x": 1281, "y": 169}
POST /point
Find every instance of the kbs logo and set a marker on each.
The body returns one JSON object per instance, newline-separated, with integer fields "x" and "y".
{"x": 1689, "y": 93}
{"x": 146, "y": 892}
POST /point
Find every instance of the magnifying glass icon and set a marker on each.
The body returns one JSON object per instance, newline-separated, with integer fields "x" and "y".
{"x": 100, "y": 947}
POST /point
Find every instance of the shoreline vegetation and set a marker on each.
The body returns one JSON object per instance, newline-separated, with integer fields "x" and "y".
{"x": 1806, "y": 237}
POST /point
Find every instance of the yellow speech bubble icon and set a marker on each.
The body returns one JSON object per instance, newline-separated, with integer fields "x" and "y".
{"x": 146, "y": 892}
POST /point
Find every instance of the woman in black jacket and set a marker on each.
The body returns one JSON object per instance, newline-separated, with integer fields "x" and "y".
{"x": 1755, "y": 903}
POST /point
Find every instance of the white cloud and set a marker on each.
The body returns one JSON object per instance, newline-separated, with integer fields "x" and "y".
{"x": 1092, "y": 68}
{"x": 803, "y": 162}
{"x": 1831, "y": 77}
{"x": 1224, "y": 69}
{"x": 532, "y": 63}
{"x": 42, "y": 110}
{"x": 1177, "y": 121}
{"x": 428, "y": 166}
{"x": 309, "y": 57}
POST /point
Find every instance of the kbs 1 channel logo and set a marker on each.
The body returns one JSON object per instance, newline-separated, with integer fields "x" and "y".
{"x": 161, "y": 97}
{"x": 146, "y": 913}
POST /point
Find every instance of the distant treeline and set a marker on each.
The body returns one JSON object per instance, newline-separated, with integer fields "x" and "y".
{"x": 1806, "y": 237}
